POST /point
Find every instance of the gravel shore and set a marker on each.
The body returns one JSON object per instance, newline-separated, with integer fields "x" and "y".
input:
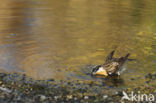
{"x": 18, "y": 88}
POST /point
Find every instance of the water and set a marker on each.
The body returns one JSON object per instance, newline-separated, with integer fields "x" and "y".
{"x": 57, "y": 39}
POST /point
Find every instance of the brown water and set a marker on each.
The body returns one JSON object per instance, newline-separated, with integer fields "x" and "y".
{"x": 58, "y": 38}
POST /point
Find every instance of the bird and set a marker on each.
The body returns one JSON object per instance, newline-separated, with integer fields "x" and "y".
{"x": 112, "y": 66}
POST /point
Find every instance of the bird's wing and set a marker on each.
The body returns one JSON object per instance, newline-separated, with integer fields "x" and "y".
{"x": 110, "y": 56}
{"x": 111, "y": 67}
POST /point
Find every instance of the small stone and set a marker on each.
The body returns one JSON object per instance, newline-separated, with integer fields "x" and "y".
{"x": 80, "y": 95}
{"x": 19, "y": 98}
{"x": 50, "y": 80}
{"x": 56, "y": 97}
{"x": 119, "y": 93}
{"x": 75, "y": 98}
{"x": 12, "y": 83}
{"x": 42, "y": 97}
{"x": 132, "y": 79}
{"x": 86, "y": 97}
{"x": 3, "y": 85}
{"x": 19, "y": 85}
{"x": 105, "y": 96}
{"x": 2, "y": 75}
{"x": 116, "y": 92}
{"x": 13, "y": 34}
{"x": 69, "y": 96}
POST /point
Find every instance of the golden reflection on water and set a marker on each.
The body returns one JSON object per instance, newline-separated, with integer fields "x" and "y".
{"x": 56, "y": 39}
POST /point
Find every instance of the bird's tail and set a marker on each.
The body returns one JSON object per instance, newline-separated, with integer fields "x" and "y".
{"x": 127, "y": 55}
{"x": 124, "y": 59}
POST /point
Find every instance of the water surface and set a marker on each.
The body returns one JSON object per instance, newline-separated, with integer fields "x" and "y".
{"x": 58, "y": 39}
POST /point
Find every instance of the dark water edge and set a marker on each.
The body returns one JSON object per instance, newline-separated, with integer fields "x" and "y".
{"x": 18, "y": 88}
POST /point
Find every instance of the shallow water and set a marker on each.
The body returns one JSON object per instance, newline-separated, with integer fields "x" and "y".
{"x": 58, "y": 39}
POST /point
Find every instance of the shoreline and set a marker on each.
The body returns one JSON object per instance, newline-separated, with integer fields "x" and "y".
{"x": 20, "y": 88}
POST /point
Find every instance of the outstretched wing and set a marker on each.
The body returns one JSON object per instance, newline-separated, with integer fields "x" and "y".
{"x": 123, "y": 59}
{"x": 110, "y": 56}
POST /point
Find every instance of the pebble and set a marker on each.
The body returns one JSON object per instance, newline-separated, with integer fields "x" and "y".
{"x": 5, "y": 89}
{"x": 132, "y": 79}
{"x": 56, "y": 97}
{"x": 47, "y": 93}
{"x": 105, "y": 96}
{"x": 116, "y": 92}
{"x": 50, "y": 80}
{"x": 75, "y": 98}
{"x": 2, "y": 74}
{"x": 42, "y": 97}
{"x": 86, "y": 97}
{"x": 3, "y": 85}
{"x": 69, "y": 96}
{"x": 31, "y": 89}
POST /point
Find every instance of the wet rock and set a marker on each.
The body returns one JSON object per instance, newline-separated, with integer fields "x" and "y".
{"x": 132, "y": 79}
{"x": 5, "y": 89}
{"x": 13, "y": 34}
{"x": 56, "y": 97}
{"x": 18, "y": 98}
{"x": 69, "y": 96}
{"x": 27, "y": 90}
{"x": 75, "y": 98}
{"x": 105, "y": 96}
{"x": 119, "y": 93}
{"x": 2, "y": 75}
{"x": 86, "y": 97}
{"x": 42, "y": 97}
{"x": 50, "y": 80}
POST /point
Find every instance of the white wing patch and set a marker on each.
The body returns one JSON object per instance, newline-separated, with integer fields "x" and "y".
{"x": 100, "y": 69}
{"x": 115, "y": 63}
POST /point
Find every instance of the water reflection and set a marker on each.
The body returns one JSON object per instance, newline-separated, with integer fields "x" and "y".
{"x": 55, "y": 39}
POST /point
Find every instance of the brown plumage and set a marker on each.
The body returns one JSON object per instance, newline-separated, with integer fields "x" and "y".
{"x": 111, "y": 66}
